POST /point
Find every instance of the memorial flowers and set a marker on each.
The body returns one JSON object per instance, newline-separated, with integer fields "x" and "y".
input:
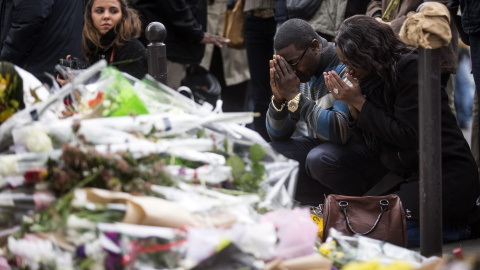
{"x": 11, "y": 91}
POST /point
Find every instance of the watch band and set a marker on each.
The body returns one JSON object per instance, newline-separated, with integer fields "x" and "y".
{"x": 276, "y": 109}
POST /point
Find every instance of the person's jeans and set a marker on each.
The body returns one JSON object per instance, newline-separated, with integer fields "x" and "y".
{"x": 464, "y": 89}
{"x": 451, "y": 233}
{"x": 258, "y": 34}
{"x": 327, "y": 167}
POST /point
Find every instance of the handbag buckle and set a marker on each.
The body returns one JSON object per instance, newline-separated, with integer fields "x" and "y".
{"x": 343, "y": 205}
{"x": 384, "y": 205}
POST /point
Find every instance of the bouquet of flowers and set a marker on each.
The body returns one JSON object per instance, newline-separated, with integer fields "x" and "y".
{"x": 140, "y": 153}
{"x": 11, "y": 91}
{"x": 360, "y": 252}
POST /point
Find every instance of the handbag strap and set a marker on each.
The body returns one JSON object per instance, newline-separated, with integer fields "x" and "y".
{"x": 383, "y": 207}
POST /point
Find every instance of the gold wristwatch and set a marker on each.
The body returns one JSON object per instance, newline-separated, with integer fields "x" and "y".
{"x": 293, "y": 104}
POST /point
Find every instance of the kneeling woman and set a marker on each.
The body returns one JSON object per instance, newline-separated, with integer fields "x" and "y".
{"x": 383, "y": 103}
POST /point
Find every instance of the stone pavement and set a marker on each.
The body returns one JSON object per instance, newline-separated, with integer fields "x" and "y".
{"x": 471, "y": 246}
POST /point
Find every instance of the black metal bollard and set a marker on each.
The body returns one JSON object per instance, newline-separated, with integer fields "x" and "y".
{"x": 156, "y": 50}
{"x": 430, "y": 149}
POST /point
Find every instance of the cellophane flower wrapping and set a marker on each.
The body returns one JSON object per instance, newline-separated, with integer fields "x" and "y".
{"x": 361, "y": 252}
{"x": 140, "y": 138}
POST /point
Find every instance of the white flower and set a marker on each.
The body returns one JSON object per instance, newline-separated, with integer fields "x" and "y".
{"x": 8, "y": 165}
{"x": 38, "y": 141}
{"x": 32, "y": 250}
{"x": 74, "y": 222}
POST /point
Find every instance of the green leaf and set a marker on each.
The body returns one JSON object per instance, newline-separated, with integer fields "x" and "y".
{"x": 238, "y": 166}
{"x": 256, "y": 152}
{"x": 258, "y": 171}
{"x": 201, "y": 133}
{"x": 248, "y": 184}
{"x": 247, "y": 178}
{"x": 86, "y": 263}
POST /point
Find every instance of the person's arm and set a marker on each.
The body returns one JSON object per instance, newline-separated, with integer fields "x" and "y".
{"x": 374, "y": 8}
{"x": 182, "y": 21}
{"x": 328, "y": 122}
{"x": 327, "y": 117}
{"x": 278, "y": 122}
{"x": 397, "y": 23}
{"x": 28, "y": 19}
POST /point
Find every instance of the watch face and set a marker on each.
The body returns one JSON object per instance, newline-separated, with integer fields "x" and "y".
{"x": 292, "y": 106}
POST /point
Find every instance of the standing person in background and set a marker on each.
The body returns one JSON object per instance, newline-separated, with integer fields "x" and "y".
{"x": 394, "y": 13}
{"x": 259, "y": 29}
{"x": 464, "y": 87}
{"x": 470, "y": 10}
{"x": 35, "y": 34}
{"x": 185, "y": 21}
{"x": 471, "y": 26}
{"x": 227, "y": 64}
{"x": 332, "y": 13}
{"x": 110, "y": 32}
{"x": 281, "y": 14}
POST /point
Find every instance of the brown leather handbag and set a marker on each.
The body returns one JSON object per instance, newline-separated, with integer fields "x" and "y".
{"x": 378, "y": 217}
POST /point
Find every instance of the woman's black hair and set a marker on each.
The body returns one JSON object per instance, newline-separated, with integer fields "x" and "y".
{"x": 367, "y": 43}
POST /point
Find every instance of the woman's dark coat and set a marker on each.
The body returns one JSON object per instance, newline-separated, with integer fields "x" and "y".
{"x": 393, "y": 121}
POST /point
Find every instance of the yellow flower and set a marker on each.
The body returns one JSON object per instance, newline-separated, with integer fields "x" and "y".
{"x": 223, "y": 243}
{"x": 5, "y": 114}
{"x": 371, "y": 265}
{"x": 339, "y": 255}
{"x": 375, "y": 265}
{"x": 14, "y": 103}
{"x": 2, "y": 89}
{"x": 397, "y": 265}
{"x": 327, "y": 248}
{"x": 3, "y": 80}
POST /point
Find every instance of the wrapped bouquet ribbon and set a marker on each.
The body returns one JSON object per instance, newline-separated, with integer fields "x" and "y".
{"x": 429, "y": 28}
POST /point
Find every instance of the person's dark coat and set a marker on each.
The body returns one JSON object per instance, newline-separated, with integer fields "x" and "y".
{"x": 388, "y": 123}
{"x": 6, "y": 7}
{"x": 471, "y": 16}
{"x": 131, "y": 58}
{"x": 37, "y": 33}
{"x": 185, "y": 21}
{"x": 281, "y": 13}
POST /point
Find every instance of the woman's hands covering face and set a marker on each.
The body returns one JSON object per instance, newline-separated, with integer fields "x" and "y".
{"x": 350, "y": 94}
